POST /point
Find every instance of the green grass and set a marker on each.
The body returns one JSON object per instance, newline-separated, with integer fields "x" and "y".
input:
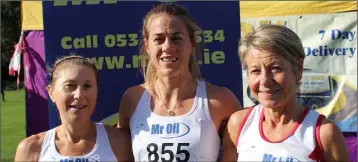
{"x": 12, "y": 123}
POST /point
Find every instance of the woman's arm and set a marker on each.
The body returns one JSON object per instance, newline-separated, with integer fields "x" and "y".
{"x": 120, "y": 142}
{"x": 128, "y": 105}
{"x": 334, "y": 147}
{"x": 231, "y": 136}
{"x": 222, "y": 104}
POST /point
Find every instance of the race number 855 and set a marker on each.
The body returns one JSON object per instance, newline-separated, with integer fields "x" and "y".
{"x": 153, "y": 155}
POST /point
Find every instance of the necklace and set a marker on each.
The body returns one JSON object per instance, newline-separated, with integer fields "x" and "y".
{"x": 172, "y": 112}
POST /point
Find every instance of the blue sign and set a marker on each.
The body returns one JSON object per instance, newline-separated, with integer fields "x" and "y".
{"x": 108, "y": 32}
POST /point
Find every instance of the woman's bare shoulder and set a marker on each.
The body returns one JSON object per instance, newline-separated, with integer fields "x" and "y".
{"x": 222, "y": 98}
{"x": 30, "y": 147}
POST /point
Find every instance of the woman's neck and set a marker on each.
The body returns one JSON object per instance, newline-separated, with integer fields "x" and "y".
{"x": 75, "y": 132}
{"x": 283, "y": 114}
{"x": 174, "y": 88}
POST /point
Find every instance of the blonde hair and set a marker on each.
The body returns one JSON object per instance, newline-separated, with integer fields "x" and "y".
{"x": 275, "y": 38}
{"x": 73, "y": 60}
{"x": 172, "y": 9}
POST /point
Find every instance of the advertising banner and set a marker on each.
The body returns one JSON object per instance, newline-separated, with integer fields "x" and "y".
{"x": 109, "y": 33}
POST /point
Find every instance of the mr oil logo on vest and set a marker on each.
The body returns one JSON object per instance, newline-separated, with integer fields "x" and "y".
{"x": 272, "y": 158}
{"x": 79, "y": 160}
{"x": 170, "y": 130}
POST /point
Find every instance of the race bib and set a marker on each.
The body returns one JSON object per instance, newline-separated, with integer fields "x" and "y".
{"x": 168, "y": 141}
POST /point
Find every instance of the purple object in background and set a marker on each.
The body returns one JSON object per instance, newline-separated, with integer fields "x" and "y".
{"x": 37, "y": 116}
{"x": 351, "y": 142}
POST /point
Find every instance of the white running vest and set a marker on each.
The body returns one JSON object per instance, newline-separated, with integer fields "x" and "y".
{"x": 102, "y": 150}
{"x": 253, "y": 146}
{"x": 189, "y": 137}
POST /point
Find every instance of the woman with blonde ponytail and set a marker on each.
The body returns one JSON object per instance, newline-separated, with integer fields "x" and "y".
{"x": 174, "y": 115}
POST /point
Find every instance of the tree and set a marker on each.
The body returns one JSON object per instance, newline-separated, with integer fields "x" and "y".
{"x": 10, "y": 33}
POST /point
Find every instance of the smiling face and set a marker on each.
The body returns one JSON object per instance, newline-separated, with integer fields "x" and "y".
{"x": 74, "y": 92}
{"x": 168, "y": 45}
{"x": 271, "y": 79}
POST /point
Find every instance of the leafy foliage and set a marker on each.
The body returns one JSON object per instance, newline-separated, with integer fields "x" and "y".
{"x": 10, "y": 33}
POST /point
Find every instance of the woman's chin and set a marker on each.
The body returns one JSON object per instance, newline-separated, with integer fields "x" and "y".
{"x": 270, "y": 103}
{"x": 170, "y": 73}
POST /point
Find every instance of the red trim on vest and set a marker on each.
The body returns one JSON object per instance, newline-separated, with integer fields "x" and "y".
{"x": 243, "y": 121}
{"x": 303, "y": 115}
{"x": 317, "y": 153}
